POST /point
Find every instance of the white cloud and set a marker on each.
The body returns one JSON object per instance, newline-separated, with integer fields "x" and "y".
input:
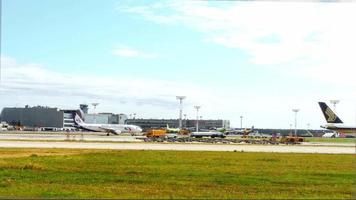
{"x": 312, "y": 40}
{"x": 129, "y": 52}
{"x": 33, "y": 84}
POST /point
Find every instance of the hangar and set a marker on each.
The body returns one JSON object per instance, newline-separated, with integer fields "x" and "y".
{"x": 38, "y": 116}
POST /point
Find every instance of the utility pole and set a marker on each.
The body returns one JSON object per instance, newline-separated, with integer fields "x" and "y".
{"x": 95, "y": 105}
{"x": 197, "y": 123}
{"x": 334, "y": 102}
{"x": 295, "y": 110}
{"x": 180, "y": 98}
{"x": 241, "y": 122}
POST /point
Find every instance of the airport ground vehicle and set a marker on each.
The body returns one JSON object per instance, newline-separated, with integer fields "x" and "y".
{"x": 156, "y": 133}
{"x": 3, "y": 126}
{"x": 330, "y": 135}
{"x": 184, "y": 132}
{"x": 291, "y": 139}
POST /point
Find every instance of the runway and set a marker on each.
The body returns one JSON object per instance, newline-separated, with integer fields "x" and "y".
{"x": 122, "y": 142}
{"x": 97, "y": 137}
{"x": 71, "y": 136}
{"x": 181, "y": 147}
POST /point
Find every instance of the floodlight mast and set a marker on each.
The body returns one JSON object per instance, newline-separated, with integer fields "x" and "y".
{"x": 197, "y": 123}
{"x": 295, "y": 110}
{"x": 95, "y": 105}
{"x": 334, "y": 102}
{"x": 180, "y": 98}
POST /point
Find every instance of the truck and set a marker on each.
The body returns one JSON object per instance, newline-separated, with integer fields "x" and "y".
{"x": 3, "y": 126}
{"x": 291, "y": 140}
{"x": 154, "y": 133}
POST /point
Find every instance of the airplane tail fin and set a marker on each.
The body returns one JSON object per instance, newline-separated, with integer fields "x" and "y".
{"x": 78, "y": 120}
{"x": 329, "y": 115}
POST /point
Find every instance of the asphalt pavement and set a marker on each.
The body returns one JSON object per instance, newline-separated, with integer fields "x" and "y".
{"x": 180, "y": 147}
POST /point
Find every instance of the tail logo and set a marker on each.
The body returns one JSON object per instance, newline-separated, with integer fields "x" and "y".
{"x": 77, "y": 119}
{"x": 331, "y": 115}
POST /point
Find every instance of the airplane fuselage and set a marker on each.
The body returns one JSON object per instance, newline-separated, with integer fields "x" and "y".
{"x": 341, "y": 128}
{"x": 118, "y": 128}
{"x": 108, "y": 128}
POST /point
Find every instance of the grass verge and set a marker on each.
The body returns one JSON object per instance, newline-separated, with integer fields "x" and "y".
{"x": 332, "y": 140}
{"x": 57, "y": 173}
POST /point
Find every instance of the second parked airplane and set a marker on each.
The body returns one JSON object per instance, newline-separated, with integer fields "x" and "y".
{"x": 334, "y": 122}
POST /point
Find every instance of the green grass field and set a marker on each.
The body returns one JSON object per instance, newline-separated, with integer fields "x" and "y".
{"x": 333, "y": 140}
{"x": 56, "y": 173}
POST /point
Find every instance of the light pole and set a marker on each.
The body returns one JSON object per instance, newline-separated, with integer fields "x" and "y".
{"x": 95, "y": 105}
{"x": 241, "y": 121}
{"x": 185, "y": 120}
{"x": 180, "y": 98}
{"x": 295, "y": 110}
{"x": 197, "y": 123}
{"x": 201, "y": 121}
{"x": 334, "y": 102}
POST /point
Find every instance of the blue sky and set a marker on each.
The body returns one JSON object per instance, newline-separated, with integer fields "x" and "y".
{"x": 256, "y": 59}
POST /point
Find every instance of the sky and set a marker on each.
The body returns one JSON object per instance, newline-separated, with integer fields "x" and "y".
{"x": 256, "y": 59}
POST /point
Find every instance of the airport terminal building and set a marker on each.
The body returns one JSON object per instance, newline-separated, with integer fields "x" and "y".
{"x": 46, "y": 117}
{"x": 101, "y": 118}
{"x": 174, "y": 123}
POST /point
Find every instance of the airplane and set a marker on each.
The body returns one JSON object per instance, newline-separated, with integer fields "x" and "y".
{"x": 172, "y": 130}
{"x": 211, "y": 134}
{"x": 107, "y": 128}
{"x": 239, "y": 131}
{"x": 334, "y": 122}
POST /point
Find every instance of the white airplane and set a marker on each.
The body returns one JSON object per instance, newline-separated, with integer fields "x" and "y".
{"x": 212, "y": 134}
{"x": 334, "y": 122}
{"x": 107, "y": 128}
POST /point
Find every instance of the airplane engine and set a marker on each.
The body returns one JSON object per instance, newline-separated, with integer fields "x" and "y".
{"x": 115, "y": 132}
